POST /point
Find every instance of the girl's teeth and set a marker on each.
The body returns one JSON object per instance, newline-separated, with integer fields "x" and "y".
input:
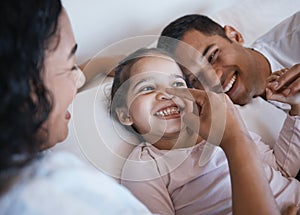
{"x": 230, "y": 84}
{"x": 168, "y": 111}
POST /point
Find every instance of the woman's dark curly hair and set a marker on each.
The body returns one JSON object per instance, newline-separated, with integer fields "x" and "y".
{"x": 26, "y": 30}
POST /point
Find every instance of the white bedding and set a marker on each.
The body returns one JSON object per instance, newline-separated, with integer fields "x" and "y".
{"x": 99, "y": 27}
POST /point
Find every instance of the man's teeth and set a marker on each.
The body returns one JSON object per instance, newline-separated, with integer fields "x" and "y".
{"x": 168, "y": 111}
{"x": 230, "y": 84}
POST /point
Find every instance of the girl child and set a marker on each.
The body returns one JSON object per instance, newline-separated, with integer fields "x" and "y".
{"x": 163, "y": 171}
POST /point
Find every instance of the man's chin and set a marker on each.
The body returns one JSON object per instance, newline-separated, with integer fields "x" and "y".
{"x": 241, "y": 100}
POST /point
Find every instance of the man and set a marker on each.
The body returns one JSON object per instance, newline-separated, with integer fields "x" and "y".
{"x": 243, "y": 72}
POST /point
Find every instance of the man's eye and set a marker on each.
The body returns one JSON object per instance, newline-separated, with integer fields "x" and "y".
{"x": 212, "y": 57}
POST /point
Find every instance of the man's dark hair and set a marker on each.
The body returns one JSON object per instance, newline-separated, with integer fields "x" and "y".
{"x": 177, "y": 29}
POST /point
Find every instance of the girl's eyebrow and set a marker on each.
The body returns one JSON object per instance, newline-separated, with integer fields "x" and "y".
{"x": 179, "y": 76}
{"x": 151, "y": 79}
{"x": 142, "y": 81}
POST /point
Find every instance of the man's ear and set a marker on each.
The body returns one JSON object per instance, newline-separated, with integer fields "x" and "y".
{"x": 233, "y": 34}
{"x": 124, "y": 116}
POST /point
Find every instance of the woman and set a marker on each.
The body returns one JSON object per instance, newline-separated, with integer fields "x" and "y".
{"x": 39, "y": 79}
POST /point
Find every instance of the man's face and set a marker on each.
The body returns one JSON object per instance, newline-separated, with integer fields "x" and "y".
{"x": 232, "y": 63}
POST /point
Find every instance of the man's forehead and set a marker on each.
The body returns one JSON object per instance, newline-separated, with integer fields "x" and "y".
{"x": 185, "y": 54}
{"x": 194, "y": 37}
{"x": 198, "y": 40}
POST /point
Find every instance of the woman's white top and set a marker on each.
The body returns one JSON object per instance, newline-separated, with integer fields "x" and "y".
{"x": 58, "y": 183}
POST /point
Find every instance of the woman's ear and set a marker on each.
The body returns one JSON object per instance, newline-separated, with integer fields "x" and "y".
{"x": 233, "y": 34}
{"x": 124, "y": 116}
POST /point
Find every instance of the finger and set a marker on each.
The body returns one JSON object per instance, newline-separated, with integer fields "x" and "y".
{"x": 210, "y": 130}
{"x": 194, "y": 95}
{"x": 293, "y": 88}
{"x": 192, "y": 121}
{"x": 288, "y": 77}
{"x": 181, "y": 92}
{"x": 273, "y": 84}
{"x": 291, "y": 210}
{"x": 276, "y": 74}
{"x": 295, "y": 99}
{"x": 272, "y": 78}
{"x": 269, "y": 94}
{"x": 205, "y": 75}
{"x": 193, "y": 80}
{"x": 276, "y": 97}
{"x": 198, "y": 97}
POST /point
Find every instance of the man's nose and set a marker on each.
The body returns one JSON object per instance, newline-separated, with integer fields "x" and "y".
{"x": 218, "y": 71}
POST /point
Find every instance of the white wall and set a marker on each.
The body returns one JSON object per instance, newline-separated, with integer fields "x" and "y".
{"x": 98, "y": 24}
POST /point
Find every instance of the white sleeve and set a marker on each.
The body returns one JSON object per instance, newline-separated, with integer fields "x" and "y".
{"x": 287, "y": 148}
{"x": 280, "y": 44}
{"x": 265, "y": 151}
{"x": 285, "y": 155}
{"x": 76, "y": 190}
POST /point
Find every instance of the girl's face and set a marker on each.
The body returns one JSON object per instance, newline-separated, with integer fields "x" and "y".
{"x": 154, "y": 113}
{"x": 62, "y": 78}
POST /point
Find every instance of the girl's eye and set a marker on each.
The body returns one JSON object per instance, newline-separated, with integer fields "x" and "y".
{"x": 179, "y": 84}
{"x": 147, "y": 88}
{"x": 212, "y": 57}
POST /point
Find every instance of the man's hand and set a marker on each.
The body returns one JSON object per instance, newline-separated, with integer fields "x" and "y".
{"x": 215, "y": 118}
{"x": 292, "y": 210}
{"x": 284, "y": 86}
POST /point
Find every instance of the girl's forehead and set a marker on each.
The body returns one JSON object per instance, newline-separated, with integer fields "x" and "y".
{"x": 156, "y": 64}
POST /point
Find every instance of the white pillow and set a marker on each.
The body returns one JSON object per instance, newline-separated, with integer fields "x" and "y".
{"x": 96, "y": 138}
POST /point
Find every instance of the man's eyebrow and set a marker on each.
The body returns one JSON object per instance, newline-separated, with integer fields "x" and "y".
{"x": 73, "y": 51}
{"x": 207, "y": 49}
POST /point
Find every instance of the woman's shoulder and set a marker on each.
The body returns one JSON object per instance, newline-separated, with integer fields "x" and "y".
{"x": 63, "y": 183}
{"x": 63, "y": 170}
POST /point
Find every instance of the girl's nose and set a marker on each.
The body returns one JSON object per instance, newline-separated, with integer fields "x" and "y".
{"x": 162, "y": 95}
